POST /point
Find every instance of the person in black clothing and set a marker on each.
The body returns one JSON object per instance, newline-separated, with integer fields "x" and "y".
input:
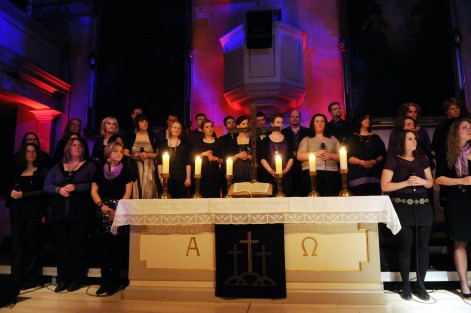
{"x": 109, "y": 127}
{"x": 210, "y": 151}
{"x": 27, "y": 208}
{"x": 43, "y": 157}
{"x": 69, "y": 184}
{"x": 366, "y": 155}
{"x": 337, "y": 127}
{"x": 226, "y": 142}
{"x": 179, "y": 164}
{"x": 111, "y": 182}
{"x": 453, "y": 110}
{"x": 297, "y": 132}
{"x": 406, "y": 177}
{"x": 453, "y": 176}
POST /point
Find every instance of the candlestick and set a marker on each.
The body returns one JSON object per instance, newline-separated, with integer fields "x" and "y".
{"x": 343, "y": 158}
{"x": 165, "y": 163}
{"x": 345, "y": 192}
{"x": 198, "y": 165}
{"x": 279, "y": 185}
{"x": 197, "y": 194}
{"x": 312, "y": 163}
{"x": 229, "y": 183}
{"x": 165, "y": 194}
{"x": 313, "y": 192}
{"x": 278, "y": 165}
{"x": 229, "y": 164}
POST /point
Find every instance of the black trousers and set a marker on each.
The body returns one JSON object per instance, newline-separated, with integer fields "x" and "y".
{"x": 407, "y": 238}
{"x": 25, "y": 244}
{"x": 114, "y": 254}
{"x": 70, "y": 245}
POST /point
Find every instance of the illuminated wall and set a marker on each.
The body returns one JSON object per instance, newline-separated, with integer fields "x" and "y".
{"x": 323, "y": 66}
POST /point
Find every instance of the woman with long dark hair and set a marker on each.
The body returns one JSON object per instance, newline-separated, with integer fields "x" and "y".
{"x": 326, "y": 148}
{"x": 27, "y": 208}
{"x": 142, "y": 148}
{"x": 406, "y": 177}
{"x": 69, "y": 184}
{"x": 453, "y": 176}
{"x": 366, "y": 154}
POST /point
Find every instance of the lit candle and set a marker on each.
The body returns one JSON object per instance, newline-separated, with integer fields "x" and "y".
{"x": 312, "y": 163}
{"x": 165, "y": 163}
{"x": 278, "y": 163}
{"x": 343, "y": 158}
{"x": 198, "y": 165}
{"x": 229, "y": 164}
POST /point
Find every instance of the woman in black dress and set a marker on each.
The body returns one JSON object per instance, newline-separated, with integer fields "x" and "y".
{"x": 112, "y": 181}
{"x": 26, "y": 211}
{"x": 366, "y": 153}
{"x": 179, "y": 164}
{"x": 453, "y": 176}
{"x": 210, "y": 150}
{"x": 406, "y": 177}
{"x": 69, "y": 184}
{"x": 241, "y": 153}
{"x": 277, "y": 144}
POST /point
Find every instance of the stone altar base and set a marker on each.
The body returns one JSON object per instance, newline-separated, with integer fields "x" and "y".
{"x": 325, "y": 264}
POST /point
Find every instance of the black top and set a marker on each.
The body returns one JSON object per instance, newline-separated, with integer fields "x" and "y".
{"x": 113, "y": 189}
{"x": 33, "y": 201}
{"x": 78, "y": 205}
{"x": 296, "y": 138}
{"x": 179, "y": 158}
{"x": 402, "y": 171}
{"x": 340, "y": 130}
{"x": 367, "y": 147}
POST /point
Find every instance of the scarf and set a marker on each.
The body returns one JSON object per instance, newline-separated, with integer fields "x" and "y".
{"x": 109, "y": 175}
{"x": 462, "y": 162}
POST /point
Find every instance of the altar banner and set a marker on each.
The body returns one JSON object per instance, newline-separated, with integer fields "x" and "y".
{"x": 250, "y": 261}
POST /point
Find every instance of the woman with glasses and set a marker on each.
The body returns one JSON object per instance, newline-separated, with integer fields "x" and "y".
{"x": 28, "y": 204}
{"x": 453, "y": 176}
{"x": 69, "y": 184}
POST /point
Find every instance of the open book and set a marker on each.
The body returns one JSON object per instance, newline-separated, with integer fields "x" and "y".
{"x": 251, "y": 189}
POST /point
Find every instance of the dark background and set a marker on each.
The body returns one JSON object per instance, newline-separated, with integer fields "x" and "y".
{"x": 141, "y": 59}
{"x": 409, "y": 59}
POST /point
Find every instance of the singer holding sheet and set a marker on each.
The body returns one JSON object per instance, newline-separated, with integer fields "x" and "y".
{"x": 326, "y": 148}
{"x": 453, "y": 176}
{"x": 405, "y": 177}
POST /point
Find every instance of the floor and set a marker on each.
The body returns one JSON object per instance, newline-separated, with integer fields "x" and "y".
{"x": 84, "y": 300}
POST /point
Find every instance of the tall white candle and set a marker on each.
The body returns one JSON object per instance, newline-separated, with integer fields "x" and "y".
{"x": 229, "y": 164}
{"x": 279, "y": 166}
{"x": 343, "y": 158}
{"x": 165, "y": 163}
{"x": 312, "y": 163}
{"x": 198, "y": 165}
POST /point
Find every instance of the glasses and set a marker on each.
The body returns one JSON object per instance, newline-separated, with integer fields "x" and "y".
{"x": 412, "y": 111}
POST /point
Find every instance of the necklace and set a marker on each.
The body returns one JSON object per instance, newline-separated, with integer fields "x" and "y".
{"x": 276, "y": 146}
{"x": 173, "y": 150}
{"x": 71, "y": 171}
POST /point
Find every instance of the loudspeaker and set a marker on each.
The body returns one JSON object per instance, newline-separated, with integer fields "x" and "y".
{"x": 259, "y": 29}
{"x": 9, "y": 290}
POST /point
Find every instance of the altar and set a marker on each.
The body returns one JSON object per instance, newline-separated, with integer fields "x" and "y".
{"x": 331, "y": 246}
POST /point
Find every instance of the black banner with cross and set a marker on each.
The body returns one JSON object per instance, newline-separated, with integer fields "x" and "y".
{"x": 250, "y": 261}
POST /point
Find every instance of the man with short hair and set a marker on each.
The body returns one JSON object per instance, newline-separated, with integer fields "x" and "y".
{"x": 226, "y": 143}
{"x": 296, "y": 132}
{"x": 337, "y": 127}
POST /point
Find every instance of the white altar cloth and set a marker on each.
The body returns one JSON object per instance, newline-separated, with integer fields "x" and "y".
{"x": 292, "y": 210}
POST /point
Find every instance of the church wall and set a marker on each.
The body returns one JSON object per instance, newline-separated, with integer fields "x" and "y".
{"x": 323, "y": 68}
